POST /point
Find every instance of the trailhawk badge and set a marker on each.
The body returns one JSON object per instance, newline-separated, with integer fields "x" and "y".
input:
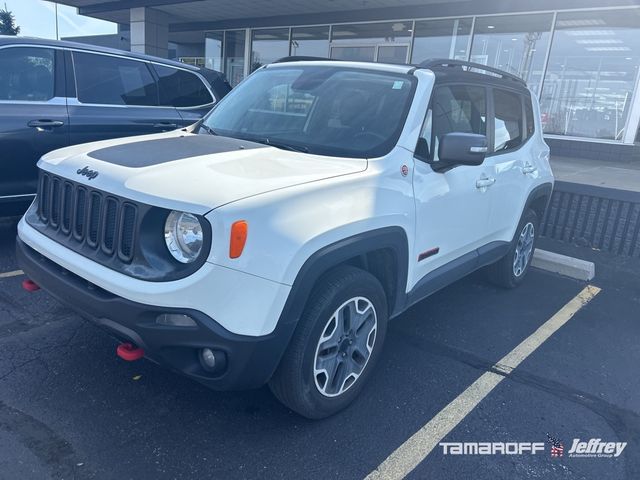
{"x": 86, "y": 172}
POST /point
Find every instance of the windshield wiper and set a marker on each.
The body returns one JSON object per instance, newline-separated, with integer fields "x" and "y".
{"x": 208, "y": 129}
{"x": 282, "y": 145}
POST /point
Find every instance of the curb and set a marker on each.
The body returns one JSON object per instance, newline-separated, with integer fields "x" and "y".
{"x": 567, "y": 266}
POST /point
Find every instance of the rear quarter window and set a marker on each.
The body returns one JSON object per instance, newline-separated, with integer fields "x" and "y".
{"x": 528, "y": 111}
{"x": 179, "y": 88}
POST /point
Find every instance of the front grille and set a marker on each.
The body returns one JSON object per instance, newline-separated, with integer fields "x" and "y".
{"x": 83, "y": 215}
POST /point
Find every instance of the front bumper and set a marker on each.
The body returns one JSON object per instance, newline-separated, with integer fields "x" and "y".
{"x": 250, "y": 361}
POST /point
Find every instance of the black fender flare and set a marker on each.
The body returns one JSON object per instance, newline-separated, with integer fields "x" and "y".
{"x": 328, "y": 257}
{"x": 544, "y": 190}
{"x": 393, "y": 238}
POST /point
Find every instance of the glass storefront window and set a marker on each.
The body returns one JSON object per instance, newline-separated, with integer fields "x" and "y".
{"x": 514, "y": 43}
{"x": 441, "y": 39}
{"x": 268, "y": 45}
{"x": 369, "y": 41}
{"x": 310, "y": 41}
{"x": 213, "y": 50}
{"x": 234, "y": 43}
{"x": 592, "y": 70}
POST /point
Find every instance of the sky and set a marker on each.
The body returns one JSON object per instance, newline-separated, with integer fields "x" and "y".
{"x": 36, "y": 18}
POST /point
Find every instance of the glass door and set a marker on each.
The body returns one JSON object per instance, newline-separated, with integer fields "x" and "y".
{"x": 371, "y": 53}
{"x": 392, "y": 53}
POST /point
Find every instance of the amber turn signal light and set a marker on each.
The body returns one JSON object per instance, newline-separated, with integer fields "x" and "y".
{"x": 239, "y": 231}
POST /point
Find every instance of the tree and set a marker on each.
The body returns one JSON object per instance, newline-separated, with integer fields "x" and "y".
{"x": 8, "y": 23}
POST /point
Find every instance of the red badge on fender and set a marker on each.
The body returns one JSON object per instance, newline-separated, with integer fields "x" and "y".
{"x": 404, "y": 170}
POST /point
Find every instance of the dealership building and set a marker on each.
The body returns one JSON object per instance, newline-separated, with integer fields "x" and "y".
{"x": 581, "y": 58}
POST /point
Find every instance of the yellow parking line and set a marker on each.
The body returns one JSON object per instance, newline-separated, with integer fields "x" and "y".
{"x": 409, "y": 455}
{"x": 15, "y": 273}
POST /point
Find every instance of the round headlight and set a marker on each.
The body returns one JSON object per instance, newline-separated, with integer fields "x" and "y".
{"x": 183, "y": 236}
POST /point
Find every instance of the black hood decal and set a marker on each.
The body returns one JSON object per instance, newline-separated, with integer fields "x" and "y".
{"x": 146, "y": 153}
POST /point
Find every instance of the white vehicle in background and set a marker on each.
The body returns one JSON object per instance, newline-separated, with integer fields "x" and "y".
{"x": 272, "y": 241}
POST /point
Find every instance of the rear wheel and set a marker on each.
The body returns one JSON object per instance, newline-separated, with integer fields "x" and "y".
{"x": 510, "y": 271}
{"x": 336, "y": 345}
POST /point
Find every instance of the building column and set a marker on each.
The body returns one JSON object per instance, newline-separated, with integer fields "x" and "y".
{"x": 149, "y": 31}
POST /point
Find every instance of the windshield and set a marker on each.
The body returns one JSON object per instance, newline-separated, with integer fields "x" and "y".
{"x": 317, "y": 109}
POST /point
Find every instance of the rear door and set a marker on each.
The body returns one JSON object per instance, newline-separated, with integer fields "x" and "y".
{"x": 116, "y": 97}
{"x": 33, "y": 119}
{"x": 508, "y": 161}
{"x": 184, "y": 90}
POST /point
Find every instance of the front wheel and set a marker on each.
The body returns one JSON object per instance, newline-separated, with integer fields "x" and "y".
{"x": 336, "y": 345}
{"x": 510, "y": 271}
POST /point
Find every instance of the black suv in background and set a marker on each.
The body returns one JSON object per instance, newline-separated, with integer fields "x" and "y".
{"x": 54, "y": 94}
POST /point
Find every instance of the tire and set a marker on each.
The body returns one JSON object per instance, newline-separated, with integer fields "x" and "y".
{"x": 300, "y": 382}
{"x": 505, "y": 273}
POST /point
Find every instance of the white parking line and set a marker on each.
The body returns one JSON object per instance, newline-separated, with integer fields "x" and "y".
{"x": 15, "y": 273}
{"x": 409, "y": 455}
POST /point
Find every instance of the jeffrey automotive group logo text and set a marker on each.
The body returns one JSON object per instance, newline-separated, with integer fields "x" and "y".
{"x": 591, "y": 448}
{"x": 595, "y": 447}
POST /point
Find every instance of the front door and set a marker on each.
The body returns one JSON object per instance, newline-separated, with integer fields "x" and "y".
{"x": 452, "y": 207}
{"x": 34, "y": 117}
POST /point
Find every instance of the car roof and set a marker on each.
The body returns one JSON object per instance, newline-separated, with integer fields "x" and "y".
{"x": 14, "y": 40}
{"x": 312, "y": 61}
{"x": 445, "y": 70}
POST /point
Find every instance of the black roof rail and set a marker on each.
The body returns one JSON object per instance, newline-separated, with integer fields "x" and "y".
{"x": 441, "y": 63}
{"x": 301, "y": 58}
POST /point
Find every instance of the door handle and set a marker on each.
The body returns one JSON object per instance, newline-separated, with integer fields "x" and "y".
{"x": 528, "y": 168}
{"x": 484, "y": 183}
{"x": 45, "y": 124}
{"x": 167, "y": 126}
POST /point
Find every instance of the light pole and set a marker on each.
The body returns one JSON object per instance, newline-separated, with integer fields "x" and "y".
{"x": 56, "y": 10}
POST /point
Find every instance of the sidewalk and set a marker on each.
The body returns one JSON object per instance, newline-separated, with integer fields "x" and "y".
{"x": 618, "y": 175}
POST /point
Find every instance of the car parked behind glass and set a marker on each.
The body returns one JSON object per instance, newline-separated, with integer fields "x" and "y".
{"x": 54, "y": 94}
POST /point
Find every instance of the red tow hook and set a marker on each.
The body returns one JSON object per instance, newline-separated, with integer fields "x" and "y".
{"x": 30, "y": 285}
{"x": 129, "y": 352}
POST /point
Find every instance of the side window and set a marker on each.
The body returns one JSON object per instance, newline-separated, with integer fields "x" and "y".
{"x": 27, "y": 74}
{"x": 528, "y": 111}
{"x": 507, "y": 120}
{"x": 107, "y": 80}
{"x": 179, "y": 88}
{"x": 454, "y": 108}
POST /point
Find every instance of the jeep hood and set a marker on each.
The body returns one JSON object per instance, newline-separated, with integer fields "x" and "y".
{"x": 190, "y": 172}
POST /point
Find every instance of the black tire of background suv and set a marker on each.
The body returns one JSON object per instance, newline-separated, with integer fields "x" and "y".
{"x": 501, "y": 272}
{"x": 293, "y": 383}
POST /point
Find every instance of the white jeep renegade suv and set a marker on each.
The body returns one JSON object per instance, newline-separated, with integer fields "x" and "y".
{"x": 272, "y": 241}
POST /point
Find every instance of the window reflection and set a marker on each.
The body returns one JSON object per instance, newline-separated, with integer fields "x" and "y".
{"x": 441, "y": 39}
{"x": 593, "y": 66}
{"x": 213, "y": 50}
{"x": 268, "y": 45}
{"x": 368, "y": 42}
{"x": 310, "y": 41}
{"x": 514, "y": 43}
{"x": 234, "y": 42}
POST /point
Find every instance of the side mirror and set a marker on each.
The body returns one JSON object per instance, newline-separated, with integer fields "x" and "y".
{"x": 458, "y": 148}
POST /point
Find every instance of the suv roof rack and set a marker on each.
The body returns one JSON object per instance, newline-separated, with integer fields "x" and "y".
{"x": 301, "y": 58}
{"x": 443, "y": 63}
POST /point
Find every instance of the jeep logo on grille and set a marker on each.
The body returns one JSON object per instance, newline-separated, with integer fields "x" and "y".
{"x": 86, "y": 172}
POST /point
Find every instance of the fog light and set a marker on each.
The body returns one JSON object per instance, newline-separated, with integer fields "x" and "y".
{"x": 208, "y": 359}
{"x": 175, "y": 320}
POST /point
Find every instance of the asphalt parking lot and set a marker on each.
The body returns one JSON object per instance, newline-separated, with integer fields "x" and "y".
{"x": 69, "y": 408}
